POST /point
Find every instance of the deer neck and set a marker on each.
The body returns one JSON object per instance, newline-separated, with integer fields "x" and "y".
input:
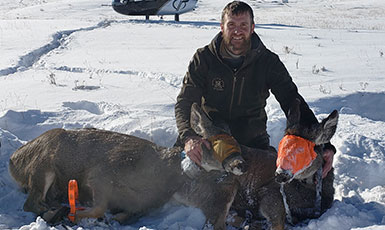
{"x": 172, "y": 156}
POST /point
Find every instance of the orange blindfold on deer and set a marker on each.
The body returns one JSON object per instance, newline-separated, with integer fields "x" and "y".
{"x": 295, "y": 154}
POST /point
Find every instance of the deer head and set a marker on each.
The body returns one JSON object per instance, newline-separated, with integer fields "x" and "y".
{"x": 218, "y": 157}
{"x": 316, "y": 135}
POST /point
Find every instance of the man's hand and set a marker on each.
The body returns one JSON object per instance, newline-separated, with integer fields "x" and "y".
{"x": 328, "y": 155}
{"x": 193, "y": 148}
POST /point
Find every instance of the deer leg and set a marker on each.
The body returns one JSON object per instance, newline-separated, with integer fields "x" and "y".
{"x": 217, "y": 219}
{"x": 327, "y": 191}
{"x": 49, "y": 178}
{"x": 121, "y": 217}
{"x": 126, "y": 218}
{"x": 96, "y": 211}
{"x": 55, "y": 215}
{"x": 99, "y": 198}
{"x": 36, "y": 201}
{"x": 214, "y": 198}
{"x": 217, "y": 205}
{"x": 272, "y": 207}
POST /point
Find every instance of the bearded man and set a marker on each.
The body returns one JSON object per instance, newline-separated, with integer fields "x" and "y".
{"x": 231, "y": 78}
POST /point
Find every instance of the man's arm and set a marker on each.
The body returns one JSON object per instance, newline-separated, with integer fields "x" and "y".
{"x": 286, "y": 92}
{"x": 191, "y": 92}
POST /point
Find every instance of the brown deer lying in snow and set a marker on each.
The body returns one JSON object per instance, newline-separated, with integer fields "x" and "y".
{"x": 130, "y": 176}
{"x": 258, "y": 192}
{"x": 306, "y": 194}
{"x": 124, "y": 174}
{"x": 255, "y": 190}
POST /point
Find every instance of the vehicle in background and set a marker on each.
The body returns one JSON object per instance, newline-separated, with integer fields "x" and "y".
{"x": 154, "y": 7}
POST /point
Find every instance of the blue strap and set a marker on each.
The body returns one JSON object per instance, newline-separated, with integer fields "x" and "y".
{"x": 182, "y": 155}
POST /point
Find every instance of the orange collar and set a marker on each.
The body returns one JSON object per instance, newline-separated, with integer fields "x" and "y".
{"x": 295, "y": 153}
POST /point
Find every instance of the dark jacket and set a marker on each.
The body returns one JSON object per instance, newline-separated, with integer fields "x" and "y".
{"x": 237, "y": 98}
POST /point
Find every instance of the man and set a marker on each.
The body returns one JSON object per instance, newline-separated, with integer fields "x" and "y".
{"x": 230, "y": 78}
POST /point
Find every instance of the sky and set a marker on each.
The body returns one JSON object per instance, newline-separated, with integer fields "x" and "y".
{"x": 77, "y": 63}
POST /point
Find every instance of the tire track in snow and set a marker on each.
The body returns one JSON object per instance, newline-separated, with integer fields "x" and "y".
{"x": 170, "y": 79}
{"x": 27, "y": 61}
{"x": 190, "y": 24}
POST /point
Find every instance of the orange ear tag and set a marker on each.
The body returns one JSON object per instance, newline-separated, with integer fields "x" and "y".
{"x": 295, "y": 153}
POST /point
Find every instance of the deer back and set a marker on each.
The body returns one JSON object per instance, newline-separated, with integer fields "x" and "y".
{"x": 118, "y": 160}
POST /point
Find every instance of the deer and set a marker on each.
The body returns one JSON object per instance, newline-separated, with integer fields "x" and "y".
{"x": 288, "y": 198}
{"x": 130, "y": 176}
{"x": 256, "y": 189}
{"x": 270, "y": 191}
{"x": 306, "y": 194}
{"x": 123, "y": 174}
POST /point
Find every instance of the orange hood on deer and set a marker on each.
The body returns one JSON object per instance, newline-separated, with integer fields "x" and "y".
{"x": 295, "y": 153}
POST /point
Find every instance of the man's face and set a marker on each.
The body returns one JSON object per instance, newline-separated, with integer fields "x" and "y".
{"x": 237, "y": 30}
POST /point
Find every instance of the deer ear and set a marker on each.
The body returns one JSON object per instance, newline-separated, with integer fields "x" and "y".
{"x": 294, "y": 114}
{"x": 329, "y": 125}
{"x": 199, "y": 121}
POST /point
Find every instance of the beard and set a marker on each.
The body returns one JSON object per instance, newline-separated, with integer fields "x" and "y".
{"x": 237, "y": 48}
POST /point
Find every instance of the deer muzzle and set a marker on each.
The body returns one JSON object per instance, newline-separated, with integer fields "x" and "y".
{"x": 227, "y": 151}
{"x": 283, "y": 176}
{"x": 295, "y": 154}
{"x": 235, "y": 164}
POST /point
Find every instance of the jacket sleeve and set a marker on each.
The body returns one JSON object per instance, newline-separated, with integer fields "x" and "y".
{"x": 192, "y": 91}
{"x": 286, "y": 92}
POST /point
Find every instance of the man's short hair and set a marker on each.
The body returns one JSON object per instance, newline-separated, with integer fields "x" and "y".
{"x": 237, "y": 8}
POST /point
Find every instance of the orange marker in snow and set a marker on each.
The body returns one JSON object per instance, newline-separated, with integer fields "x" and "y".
{"x": 73, "y": 196}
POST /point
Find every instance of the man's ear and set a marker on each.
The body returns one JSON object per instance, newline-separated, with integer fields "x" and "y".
{"x": 252, "y": 28}
{"x": 222, "y": 27}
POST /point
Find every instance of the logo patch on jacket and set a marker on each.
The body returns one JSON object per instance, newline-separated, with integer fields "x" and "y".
{"x": 218, "y": 84}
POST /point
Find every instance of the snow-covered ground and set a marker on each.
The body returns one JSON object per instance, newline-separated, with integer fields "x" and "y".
{"x": 77, "y": 63}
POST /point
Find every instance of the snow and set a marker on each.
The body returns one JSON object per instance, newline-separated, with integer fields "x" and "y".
{"x": 77, "y": 63}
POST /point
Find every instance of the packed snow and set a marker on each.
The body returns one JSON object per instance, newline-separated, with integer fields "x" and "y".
{"x": 77, "y": 63}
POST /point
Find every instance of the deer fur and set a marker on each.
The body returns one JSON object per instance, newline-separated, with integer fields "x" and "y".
{"x": 130, "y": 176}
{"x": 256, "y": 189}
{"x": 300, "y": 189}
{"x": 124, "y": 174}
{"x": 259, "y": 193}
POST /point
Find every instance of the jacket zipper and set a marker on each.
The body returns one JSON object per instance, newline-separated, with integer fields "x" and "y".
{"x": 241, "y": 91}
{"x": 234, "y": 84}
{"x": 232, "y": 96}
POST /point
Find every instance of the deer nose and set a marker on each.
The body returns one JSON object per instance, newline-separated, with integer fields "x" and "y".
{"x": 236, "y": 166}
{"x": 243, "y": 167}
{"x": 283, "y": 176}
